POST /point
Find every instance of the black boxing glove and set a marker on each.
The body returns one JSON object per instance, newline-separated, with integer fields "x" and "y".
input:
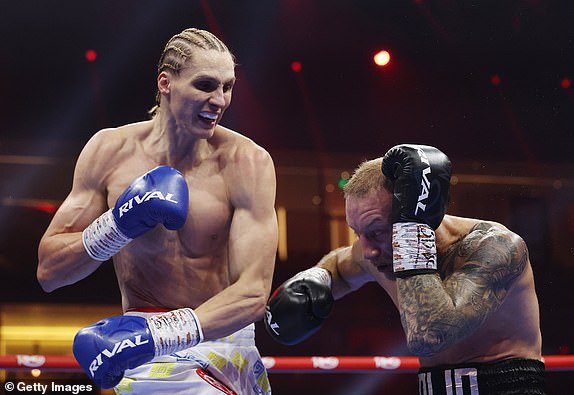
{"x": 420, "y": 175}
{"x": 298, "y": 308}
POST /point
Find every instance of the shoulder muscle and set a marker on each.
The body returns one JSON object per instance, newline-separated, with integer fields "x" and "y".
{"x": 490, "y": 254}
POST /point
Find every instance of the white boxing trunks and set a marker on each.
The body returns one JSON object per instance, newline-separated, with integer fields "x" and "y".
{"x": 231, "y": 365}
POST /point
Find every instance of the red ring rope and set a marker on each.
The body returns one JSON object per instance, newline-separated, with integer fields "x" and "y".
{"x": 303, "y": 364}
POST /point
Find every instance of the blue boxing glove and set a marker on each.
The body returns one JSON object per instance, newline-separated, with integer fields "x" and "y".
{"x": 158, "y": 197}
{"x": 107, "y": 348}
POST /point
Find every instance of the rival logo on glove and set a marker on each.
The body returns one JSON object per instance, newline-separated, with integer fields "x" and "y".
{"x": 127, "y": 206}
{"x": 118, "y": 348}
{"x": 425, "y": 183}
{"x": 272, "y": 325}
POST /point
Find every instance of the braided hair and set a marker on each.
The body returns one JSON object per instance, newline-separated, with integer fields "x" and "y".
{"x": 180, "y": 48}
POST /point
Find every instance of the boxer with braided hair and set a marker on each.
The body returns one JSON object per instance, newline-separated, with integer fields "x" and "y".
{"x": 181, "y": 47}
{"x": 185, "y": 209}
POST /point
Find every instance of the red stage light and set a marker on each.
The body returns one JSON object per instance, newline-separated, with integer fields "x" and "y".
{"x": 565, "y": 83}
{"x": 45, "y": 207}
{"x": 91, "y": 55}
{"x": 495, "y": 79}
{"x": 296, "y": 66}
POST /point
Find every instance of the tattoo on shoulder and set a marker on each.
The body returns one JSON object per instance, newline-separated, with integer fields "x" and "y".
{"x": 481, "y": 268}
{"x": 489, "y": 251}
{"x": 482, "y": 226}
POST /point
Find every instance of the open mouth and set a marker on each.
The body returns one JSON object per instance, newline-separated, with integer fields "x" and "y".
{"x": 208, "y": 116}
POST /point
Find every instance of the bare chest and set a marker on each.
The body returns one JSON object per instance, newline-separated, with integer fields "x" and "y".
{"x": 512, "y": 331}
{"x": 209, "y": 213}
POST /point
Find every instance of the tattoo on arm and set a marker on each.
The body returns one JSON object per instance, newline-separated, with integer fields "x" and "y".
{"x": 436, "y": 313}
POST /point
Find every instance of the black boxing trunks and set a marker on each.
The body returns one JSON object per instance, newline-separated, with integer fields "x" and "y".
{"x": 508, "y": 377}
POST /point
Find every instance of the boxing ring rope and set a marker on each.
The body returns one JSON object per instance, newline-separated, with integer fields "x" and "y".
{"x": 288, "y": 364}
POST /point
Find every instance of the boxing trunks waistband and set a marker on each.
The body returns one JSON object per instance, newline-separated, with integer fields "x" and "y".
{"x": 509, "y": 377}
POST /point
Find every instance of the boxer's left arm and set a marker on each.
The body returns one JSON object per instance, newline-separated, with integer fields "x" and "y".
{"x": 252, "y": 245}
{"x": 298, "y": 308}
{"x": 347, "y": 268}
{"x": 108, "y": 347}
{"x": 491, "y": 259}
{"x": 437, "y": 314}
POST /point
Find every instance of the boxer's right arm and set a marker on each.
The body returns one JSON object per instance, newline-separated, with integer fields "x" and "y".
{"x": 160, "y": 196}
{"x": 62, "y": 258}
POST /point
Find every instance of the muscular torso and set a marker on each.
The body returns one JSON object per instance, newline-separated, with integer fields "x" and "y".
{"x": 511, "y": 330}
{"x": 172, "y": 269}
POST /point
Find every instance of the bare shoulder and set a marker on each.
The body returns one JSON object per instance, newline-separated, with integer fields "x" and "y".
{"x": 241, "y": 159}
{"x": 90, "y": 165}
{"x": 247, "y": 168}
{"x": 118, "y": 137}
{"x": 105, "y": 143}
{"x": 477, "y": 246}
{"x": 238, "y": 149}
{"x": 452, "y": 229}
{"x": 106, "y": 150}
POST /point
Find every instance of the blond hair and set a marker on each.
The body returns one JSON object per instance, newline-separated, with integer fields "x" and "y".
{"x": 367, "y": 177}
{"x": 180, "y": 48}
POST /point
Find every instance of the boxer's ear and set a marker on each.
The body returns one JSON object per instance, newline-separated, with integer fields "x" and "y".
{"x": 163, "y": 83}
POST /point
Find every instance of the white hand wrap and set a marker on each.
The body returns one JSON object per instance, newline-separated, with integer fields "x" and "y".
{"x": 174, "y": 331}
{"x": 321, "y": 275}
{"x": 102, "y": 239}
{"x": 414, "y": 247}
